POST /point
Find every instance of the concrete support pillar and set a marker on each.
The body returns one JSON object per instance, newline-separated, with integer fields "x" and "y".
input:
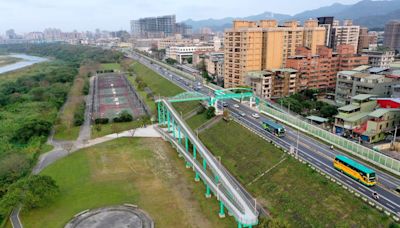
{"x": 179, "y": 135}
{"x": 204, "y": 164}
{"x": 221, "y": 210}
{"x": 240, "y": 225}
{"x": 197, "y": 177}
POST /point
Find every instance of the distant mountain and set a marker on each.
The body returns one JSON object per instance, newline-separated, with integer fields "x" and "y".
{"x": 369, "y": 13}
{"x": 331, "y": 10}
{"x": 221, "y": 24}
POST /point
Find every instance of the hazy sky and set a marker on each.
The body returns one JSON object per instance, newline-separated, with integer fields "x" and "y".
{"x": 35, "y": 15}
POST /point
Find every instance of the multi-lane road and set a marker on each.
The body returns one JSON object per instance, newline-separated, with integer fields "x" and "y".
{"x": 309, "y": 149}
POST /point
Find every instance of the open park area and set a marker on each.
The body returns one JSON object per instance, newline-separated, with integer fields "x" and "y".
{"x": 146, "y": 172}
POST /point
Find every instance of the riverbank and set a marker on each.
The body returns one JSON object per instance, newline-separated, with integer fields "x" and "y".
{"x": 13, "y": 62}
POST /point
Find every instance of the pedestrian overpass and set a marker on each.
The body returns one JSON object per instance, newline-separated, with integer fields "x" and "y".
{"x": 216, "y": 178}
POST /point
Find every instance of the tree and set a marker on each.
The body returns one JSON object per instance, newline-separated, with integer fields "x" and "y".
{"x": 328, "y": 111}
{"x": 189, "y": 60}
{"x": 12, "y": 167}
{"x": 226, "y": 115}
{"x": 210, "y": 112}
{"x": 32, "y": 192}
{"x": 31, "y": 128}
{"x": 171, "y": 61}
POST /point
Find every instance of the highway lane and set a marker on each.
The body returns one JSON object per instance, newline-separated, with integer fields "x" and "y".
{"x": 311, "y": 150}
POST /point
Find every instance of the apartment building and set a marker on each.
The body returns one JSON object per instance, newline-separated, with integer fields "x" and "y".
{"x": 381, "y": 59}
{"x": 365, "y": 80}
{"x": 275, "y": 83}
{"x": 176, "y": 40}
{"x": 347, "y": 33}
{"x": 367, "y": 40}
{"x": 319, "y": 70}
{"x": 368, "y": 118}
{"x": 392, "y": 35}
{"x": 263, "y": 45}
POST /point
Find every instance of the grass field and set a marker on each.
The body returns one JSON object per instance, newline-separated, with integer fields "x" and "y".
{"x": 197, "y": 120}
{"x": 110, "y": 66}
{"x": 161, "y": 87}
{"x": 291, "y": 190}
{"x": 145, "y": 172}
{"x": 111, "y": 128}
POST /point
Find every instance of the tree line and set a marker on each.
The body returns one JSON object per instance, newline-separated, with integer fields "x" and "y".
{"x": 29, "y": 104}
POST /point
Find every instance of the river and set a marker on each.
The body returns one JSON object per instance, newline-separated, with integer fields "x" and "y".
{"x": 28, "y": 60}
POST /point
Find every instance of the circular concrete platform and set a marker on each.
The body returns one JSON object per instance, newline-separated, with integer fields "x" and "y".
{"x": 115, "y": 216}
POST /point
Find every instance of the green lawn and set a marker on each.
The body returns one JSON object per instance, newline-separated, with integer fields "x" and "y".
{"x": 291, "y": 191}
{"x": 197, "y": 120}
{"x": 146, "y": 172}
{"x": 160, "y": 87}
{"x": 110, "y": 66}
{"x": 63, "y": 132}
{"x": 111, "y": 128}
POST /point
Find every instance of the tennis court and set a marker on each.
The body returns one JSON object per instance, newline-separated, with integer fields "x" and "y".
{"x": 113, "y": 95}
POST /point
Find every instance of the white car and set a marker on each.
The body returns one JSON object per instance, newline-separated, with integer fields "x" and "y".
{"x": 255, "y": 115}
{"x": 236, "y": 105}
{"x": 243, "y": 114}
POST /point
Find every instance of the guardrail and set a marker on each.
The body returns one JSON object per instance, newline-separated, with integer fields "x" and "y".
{"x": 383, "y": 161}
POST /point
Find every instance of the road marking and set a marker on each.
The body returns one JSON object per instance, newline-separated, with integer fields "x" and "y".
{"x": 390, "y": 205}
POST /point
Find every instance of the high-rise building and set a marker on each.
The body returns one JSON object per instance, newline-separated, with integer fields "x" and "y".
{"x": 252, "y": 46}
{"x": 367, "y": 40}
{"x": 345, "y": 34}
{"x": 154, "y": 27}
{"x": 183, "y": 29}
{"x": 327, "y": 23}
{"x": 392, "y": 35}
{"x": 319, "y": 70}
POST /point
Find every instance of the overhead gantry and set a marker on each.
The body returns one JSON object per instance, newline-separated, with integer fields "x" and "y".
{"x": 216, "y": 178}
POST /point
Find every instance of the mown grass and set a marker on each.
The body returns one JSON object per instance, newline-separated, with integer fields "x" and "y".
{"x": 127, "y": 171}
{"x": 291, "y": 191}
{"x": 160, "y": 87}
{"x": 110, "y": 66}
{"x": 196, "y": 121}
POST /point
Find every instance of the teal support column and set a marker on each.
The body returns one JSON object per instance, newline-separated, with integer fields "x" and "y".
{"x": 164, "y": 114}
{"x": 240, "y": 225}
{"x": 216, "y": 179}
{"x": 179, "y": 135}
{"x": 173, "y": 128}
{"x": 159, "y": 112}
{"x": 204, "y": 164}
{"x": 188, "y": 165}
{"x": 197, "y": 177}
{"x": 169, "y": 121}
{"x": 194, "y": 152}
{"x": 221, "y": 210}
{"x": 208, "y": 193}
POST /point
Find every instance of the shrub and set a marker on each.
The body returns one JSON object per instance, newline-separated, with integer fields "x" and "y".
{"x": 79, "y": 115}
{"x": 124, "y": 116}
{"x": 101, "y": 121}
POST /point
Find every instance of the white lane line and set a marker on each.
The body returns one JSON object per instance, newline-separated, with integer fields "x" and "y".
{"x": 390, "y": 205}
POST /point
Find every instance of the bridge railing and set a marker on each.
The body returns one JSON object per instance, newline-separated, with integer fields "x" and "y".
{"x": 374, "y": 157}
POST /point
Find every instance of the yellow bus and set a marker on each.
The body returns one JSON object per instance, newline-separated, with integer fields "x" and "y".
{"x": 355, "y": 170}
